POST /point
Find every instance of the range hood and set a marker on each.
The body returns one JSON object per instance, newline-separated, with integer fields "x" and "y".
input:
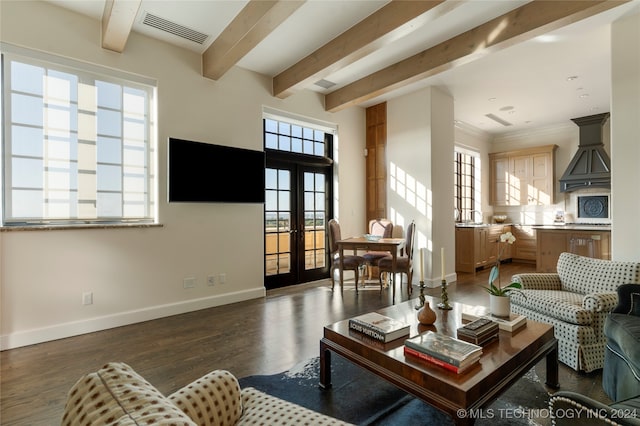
{"x": 590, "y": 167}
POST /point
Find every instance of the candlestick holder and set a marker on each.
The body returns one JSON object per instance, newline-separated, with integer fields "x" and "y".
{"x": 445, "y": 297}
{"x": 422, "y": 298}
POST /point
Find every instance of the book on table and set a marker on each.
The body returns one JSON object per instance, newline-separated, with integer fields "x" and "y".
{"x": 379, "y": 327}
{"x": 511, "y": 324}
{"x": 450, "y": 350}
{"x": 433, "y": 360}
{"x": 479, "y": 332}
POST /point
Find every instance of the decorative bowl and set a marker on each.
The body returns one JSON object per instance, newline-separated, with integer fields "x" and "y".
{"x": 371, "y": 237}
{"x": 500, "y": 218}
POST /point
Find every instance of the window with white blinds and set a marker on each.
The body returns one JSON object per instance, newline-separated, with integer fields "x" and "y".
{"x": 78, "y": 144}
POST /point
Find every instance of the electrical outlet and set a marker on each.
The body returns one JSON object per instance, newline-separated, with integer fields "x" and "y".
{"x": 222, "y": 278}
{"x": 87, "y": 298}
{"x": 211, "y": 280}
{"x": 189, "y": 282}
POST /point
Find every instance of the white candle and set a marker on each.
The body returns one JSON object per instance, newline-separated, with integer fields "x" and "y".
{"x": 442, "y": 262}
{"x": 421, "y": 265}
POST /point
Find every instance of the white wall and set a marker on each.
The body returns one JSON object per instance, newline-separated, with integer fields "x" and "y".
{"x": 420, "y": 141}
{"x": 625, "y": 138}
{"x": 136, "y": 274}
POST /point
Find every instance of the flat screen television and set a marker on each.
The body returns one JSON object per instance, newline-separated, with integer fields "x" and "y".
{"x": 208, "y": 173}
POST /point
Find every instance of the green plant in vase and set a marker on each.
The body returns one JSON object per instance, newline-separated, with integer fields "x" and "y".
{"x": 499, "y": 290}
{"x": 499, "y": 295}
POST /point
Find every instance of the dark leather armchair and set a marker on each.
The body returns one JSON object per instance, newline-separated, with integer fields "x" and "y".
{"x": 571, "y": 408}
{"x": 621, "y": 371}
{"x": 620, "y": 374}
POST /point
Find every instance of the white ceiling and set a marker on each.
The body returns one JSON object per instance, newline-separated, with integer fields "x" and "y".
{"x": 525, "y": 85}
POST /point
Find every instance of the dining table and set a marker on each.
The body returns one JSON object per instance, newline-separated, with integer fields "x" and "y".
{"x": 392, "y": 245}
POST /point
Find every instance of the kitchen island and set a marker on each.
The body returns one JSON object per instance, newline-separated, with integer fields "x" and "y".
{"x": 592, "y": 240}
{"x": 477, "y": 245}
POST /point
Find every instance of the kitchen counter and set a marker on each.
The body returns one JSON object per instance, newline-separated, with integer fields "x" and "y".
{"x": 481, "y": 225}
{"x": 574, "y": 226}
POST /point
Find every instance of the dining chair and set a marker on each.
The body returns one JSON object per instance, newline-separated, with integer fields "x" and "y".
{"x": 382, "y": 228}
{"x": 349, "y": 262}
{"x": 404, "y": 262}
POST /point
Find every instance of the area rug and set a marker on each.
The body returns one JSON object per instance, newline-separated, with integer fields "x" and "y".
{"x": 359, "y": 397}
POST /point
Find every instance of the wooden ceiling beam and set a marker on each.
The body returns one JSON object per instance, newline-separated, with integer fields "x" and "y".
{"x": 524, "y": 23}
{"x": 387, "y": 24}
{"x": 117, "y": 20}
{"x": 254, "y": 22}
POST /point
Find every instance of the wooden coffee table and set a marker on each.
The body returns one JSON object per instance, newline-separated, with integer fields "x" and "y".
{"x": 503, "y": 361}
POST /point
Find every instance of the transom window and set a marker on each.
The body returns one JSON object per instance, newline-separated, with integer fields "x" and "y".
{"x": 78, "y": 144}
{"x": 284, "y": 136}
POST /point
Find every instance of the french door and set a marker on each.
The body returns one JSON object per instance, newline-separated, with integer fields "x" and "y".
{"x": 296, "y": 210}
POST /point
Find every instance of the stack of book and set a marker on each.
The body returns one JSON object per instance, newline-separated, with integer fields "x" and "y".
{"x": 448, "y": 352}
{"x": 379, "y": 327}
{"x": 479, "y": 332}
{"x": 511, "y": 324}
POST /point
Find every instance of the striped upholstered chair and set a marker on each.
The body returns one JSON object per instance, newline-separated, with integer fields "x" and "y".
{"x": 576, "y": 301}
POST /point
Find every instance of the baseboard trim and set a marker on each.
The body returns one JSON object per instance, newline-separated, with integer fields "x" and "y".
{"x": 76, "y": 328}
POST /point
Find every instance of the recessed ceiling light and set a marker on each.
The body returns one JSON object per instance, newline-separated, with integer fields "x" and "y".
{"x": 584, "y": 95}
{"x": 547, "y": 38}
{"x": 572, "y": 77}
{"x": 492, "y": 99}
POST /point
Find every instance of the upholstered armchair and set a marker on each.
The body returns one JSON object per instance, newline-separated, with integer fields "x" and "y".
{"x": 404, "y": 262}
{"x": 576, "y": 301}
{"x": 621, "y": 371}
{"x": 382, "y": 228}
{"x": 349, "y": 262}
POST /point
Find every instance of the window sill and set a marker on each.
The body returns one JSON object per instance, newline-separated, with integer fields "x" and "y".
{"x": 79, "y": 226}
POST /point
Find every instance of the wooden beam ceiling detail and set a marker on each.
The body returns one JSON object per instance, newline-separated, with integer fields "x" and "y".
{"x": 117, "y": 20}
{"x": 526, "y": 22}
{"x": 382, "y": 27}
{"x": 254, "y": 22}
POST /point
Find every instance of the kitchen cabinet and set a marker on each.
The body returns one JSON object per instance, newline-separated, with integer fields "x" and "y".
{"x": 477, "y": 246}
{"x": 524, "y": 248}
{"x": 522, "y": 177}
{"x": 585, "y": 242}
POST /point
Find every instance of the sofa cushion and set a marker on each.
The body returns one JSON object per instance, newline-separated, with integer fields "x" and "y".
{"x": 212, "y": 400}
{"x": 563, "y": 305}
{"x": 117, "y": 395}
{"x": 260, "y": 408}
{"x": 635, "y": 304}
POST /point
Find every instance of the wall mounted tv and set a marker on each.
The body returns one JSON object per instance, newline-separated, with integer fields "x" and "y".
{"x": 203, "y": 172}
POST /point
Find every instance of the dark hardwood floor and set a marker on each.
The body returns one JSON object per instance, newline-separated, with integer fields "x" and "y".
{"x": 261, "y": 336}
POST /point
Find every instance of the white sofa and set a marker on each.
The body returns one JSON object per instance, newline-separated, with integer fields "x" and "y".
{"x": 117, "y": 395}
{"x": 576, "y": 301}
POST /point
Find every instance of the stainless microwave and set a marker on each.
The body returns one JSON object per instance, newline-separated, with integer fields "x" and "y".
{"x": 593, "y": 208}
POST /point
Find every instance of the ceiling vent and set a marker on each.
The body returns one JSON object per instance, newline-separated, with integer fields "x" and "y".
{"x": 498, "y": 119}
{"x": 325, "y": 84}
{"x": 167, "y": 26}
